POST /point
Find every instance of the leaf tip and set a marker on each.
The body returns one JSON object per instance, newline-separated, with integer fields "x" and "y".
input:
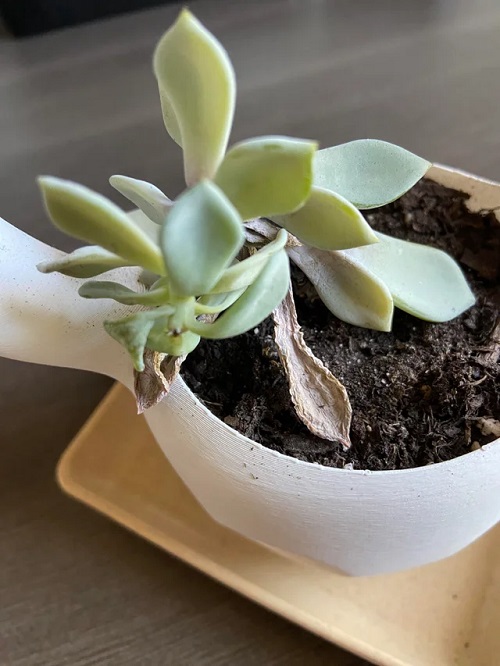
{"x": 48, "y": 183}
{"x": 185, "y": 19}
{"x": 52, "y": 185}
{"x": 185, "y": 15}
{"x": 386, "y": 322}
{"x": 44, "y": 267}
{"x": 83, "y": 291}
{"x": 313, "y": 146}
{"x": 42, "y": 179}
{"x": 370, "y": 236}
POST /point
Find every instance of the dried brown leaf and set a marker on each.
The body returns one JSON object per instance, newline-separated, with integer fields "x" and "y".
{"x": 263, "y": 227}
{"x": 154, "y": 382}
{"x": 253, "y": 238}
{"x": 320, "y": 400}
{"x": 258, "y": 229}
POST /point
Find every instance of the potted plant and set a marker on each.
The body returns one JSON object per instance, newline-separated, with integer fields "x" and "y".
{"x": 214, "y": 264}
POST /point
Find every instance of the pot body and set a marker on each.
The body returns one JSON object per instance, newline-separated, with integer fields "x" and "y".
{"x": 361, "y": 523}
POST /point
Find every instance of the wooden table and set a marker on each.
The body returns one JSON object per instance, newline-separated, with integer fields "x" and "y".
{"x": 82, "y": 103}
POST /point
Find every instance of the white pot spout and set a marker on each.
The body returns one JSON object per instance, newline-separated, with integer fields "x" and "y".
{"x": 44, "y": 320}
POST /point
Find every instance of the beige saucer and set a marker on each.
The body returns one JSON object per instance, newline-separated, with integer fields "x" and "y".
{"x": 444, "y": 614}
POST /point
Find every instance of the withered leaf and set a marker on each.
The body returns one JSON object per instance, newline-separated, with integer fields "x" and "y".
{"x": 262, "y": 227}
{"x": 320, "y": 400}
{"x": 154, "y": 382}
{"x": 253, "y": 237}
{"x": 258, "y": 229}
{"x": 160, "y": 371}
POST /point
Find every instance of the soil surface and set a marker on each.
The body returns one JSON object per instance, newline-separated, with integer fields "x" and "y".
{"x": 418, "y": 394}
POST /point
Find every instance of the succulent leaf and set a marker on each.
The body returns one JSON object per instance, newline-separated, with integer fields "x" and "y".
{"x": 88, "y": 216}
{"x": 85, "y": 262}
{"x": 269, "y": 175}
{"x": 254, "y": 305}
{"x": 197, "y": 91}
{"x": 347, "y": 288}
{"x": 214, "y": 303}
{"x": 424, "y": 281}
{"x": 132, "y": 332}
{"x": 243, "y": 273}
{"x": 121, "y": 294}
{"x": 144, "y": 195}
{"x": 329, "y": 222}
{"x": 368, "y": 173}
{"x": 200, "y": 238}
{"x": 166, "y": 342}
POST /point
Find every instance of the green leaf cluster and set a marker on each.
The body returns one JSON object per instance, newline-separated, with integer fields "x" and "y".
{"x": 194, "y": 261}
{"x": 203, "y": 279}
{"x": 368, "y": 274}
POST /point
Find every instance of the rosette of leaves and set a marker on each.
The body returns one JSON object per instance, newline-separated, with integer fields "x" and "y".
{"x": 216, "y": 259}
{"x": 202, "y": 280}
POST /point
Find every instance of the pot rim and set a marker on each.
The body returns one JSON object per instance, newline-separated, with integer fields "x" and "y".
{"x": 440, "y": 174}
{"x": 450, "y": 464}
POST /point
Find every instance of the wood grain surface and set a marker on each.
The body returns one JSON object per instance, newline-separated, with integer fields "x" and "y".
{"x": 82, "y": 103}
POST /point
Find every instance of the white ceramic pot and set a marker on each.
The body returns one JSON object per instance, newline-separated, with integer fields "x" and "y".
{"x": 359, "y": 522}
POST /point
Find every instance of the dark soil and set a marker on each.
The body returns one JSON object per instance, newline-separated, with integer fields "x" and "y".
{"x": 418, "y": 393}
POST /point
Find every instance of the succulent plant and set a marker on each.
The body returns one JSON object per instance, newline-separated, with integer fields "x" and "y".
{"x": 192, "y": 253}
{"x": 216, "y": 260}
{"x": 190, "y": 260}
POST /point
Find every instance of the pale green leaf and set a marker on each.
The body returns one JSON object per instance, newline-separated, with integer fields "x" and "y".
{"x": 147, "y": 226}
{"x": 329, "y": 222}
{"x": 424, "y": 281}
{"x": 84, "y": 262}
{"x": 243, "y": 273}
{"x": 215, "y": 303}
{"x": 121, "y": 294}
{"x": 197, "y": 90}
{"x": 169, "y": 119}
{"x": 89, "y": 216}
{"x": 166, "y": 342}
{"x": 269, "y": 175}
{"x": 132, "y": 332}
{"x": 368, "y": 173}
{"x": 347, "y": 288}
{"x": 254, "y": 305}
{"x": 144, "y": 195}
{"x": 200, "y": 238}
